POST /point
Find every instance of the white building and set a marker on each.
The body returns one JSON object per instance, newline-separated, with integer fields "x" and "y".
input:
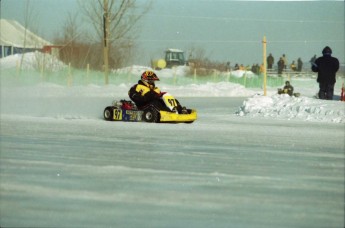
{"x": 15, "y": 38}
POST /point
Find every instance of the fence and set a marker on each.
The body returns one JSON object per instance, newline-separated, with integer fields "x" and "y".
{"x": 69, "y": 76}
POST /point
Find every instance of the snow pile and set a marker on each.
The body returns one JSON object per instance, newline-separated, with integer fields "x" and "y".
{"x": 286, "y": 107}
{"x": 241, "y": 73}
{"x": 209, "y": 89}
{"x": 32, "y": 61}
{"x": 164, "y": 73}
{"x": 135, "y": 69}
{"x": 176, "y": 71}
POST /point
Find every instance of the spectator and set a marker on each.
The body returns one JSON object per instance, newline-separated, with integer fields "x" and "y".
{"x": 285, "y": 61}
{"x": 299, "y": 64}
{"x": 280, "y": 66}
{"x": 237, "y": 67}
{"x": 261, "y": 68}
{"x": 227, "y": 67}
{"x": 254, "y": 69}
{"x": 326, "y": 68}
{"x": 270, "y": 61}
{"x": 293, "y": 66}
{"x": 288, "y": 89}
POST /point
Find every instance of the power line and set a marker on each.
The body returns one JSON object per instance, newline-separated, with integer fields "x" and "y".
{"x": 246, "y": 19}
{"x": 236, "y": 41}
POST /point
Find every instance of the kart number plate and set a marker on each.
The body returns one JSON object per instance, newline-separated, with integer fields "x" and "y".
{"x": 169, "y": 101}
{"x": 117, "y": 114}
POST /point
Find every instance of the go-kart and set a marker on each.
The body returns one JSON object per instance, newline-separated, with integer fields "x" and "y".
{"x": 124, "y": 110}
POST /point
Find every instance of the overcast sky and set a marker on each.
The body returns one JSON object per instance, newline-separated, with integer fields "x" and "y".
{"x": 226, "y": 30}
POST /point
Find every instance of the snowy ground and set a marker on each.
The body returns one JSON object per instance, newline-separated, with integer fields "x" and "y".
{"x": 248, "y": 161}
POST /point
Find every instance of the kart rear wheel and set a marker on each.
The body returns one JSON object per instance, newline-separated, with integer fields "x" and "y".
{"x": 108, "y": 113}
{"x": 151, "y": 115}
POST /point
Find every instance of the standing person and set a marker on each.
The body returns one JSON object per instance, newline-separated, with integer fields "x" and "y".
{"x": 326, "y": 68}
{"x": 293, "y": 66}
{"x": 285, "y": 61}
{"x": 299, "y": 64}
{"x": 280, "y": 66}
{"x": 270, "y": 61}
{"x": 227, "y": 67}
{"x": 237, "y": 67}
{"x": 254, "y": 70}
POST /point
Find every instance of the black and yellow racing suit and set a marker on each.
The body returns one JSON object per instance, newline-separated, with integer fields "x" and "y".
{"x": 143, "y": 93}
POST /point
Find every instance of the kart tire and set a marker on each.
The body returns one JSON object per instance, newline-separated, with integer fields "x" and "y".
{"x": 151, "y": 115}
{"x": 108, "y": 113}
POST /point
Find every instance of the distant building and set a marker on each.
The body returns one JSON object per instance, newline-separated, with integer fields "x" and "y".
{"x": 14, "y": 39}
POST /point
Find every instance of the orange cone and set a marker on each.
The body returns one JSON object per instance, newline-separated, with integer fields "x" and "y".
{"x": 342, "y": 95}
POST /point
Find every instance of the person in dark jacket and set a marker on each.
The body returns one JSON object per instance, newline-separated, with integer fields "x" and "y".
{"x": 288, "y": 89}
{"x": 270, "y": 61}
{"x": 146, "y": 93}
{"x": 299, "y": 64}
{"x": 326, "y": 68}
{"x": 280, "y": 66}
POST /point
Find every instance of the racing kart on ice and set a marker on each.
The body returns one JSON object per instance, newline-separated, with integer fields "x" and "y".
{"x": 124, "y": 110}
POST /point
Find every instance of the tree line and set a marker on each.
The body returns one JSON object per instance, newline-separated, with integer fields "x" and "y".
{"x": 79, "y": 47}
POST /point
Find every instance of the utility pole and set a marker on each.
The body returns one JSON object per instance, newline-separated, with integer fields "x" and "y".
{"x": 106, "y": 41}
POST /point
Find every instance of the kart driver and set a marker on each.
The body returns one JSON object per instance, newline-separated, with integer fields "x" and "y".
{"x": 146, "y": 92}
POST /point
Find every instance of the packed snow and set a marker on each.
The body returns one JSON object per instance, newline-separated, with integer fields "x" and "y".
{"x": 249, "y": 160}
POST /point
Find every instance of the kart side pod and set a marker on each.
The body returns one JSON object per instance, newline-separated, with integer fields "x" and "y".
{"x": 112, "y": 113}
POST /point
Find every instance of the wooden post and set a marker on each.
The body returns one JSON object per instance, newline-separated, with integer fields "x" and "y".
{"x": 245, "y": 78}
{"x": 228, "y": 75}
{"x": 69, "y": 79}
{"x": 175, "y": 79}
{"x": 87, "y": 73}
{"x": 42, "y": 66}
{"x": 17, "y": 67}
{"x": 265, "y": 64}
{"x": 106, "y": 41}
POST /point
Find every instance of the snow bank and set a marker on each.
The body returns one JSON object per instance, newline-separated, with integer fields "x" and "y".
{"x": 209, "y": 89}
{"x": 135, "y": 69}
{"x": 286, "y": 107}
{"x": 179, "y": 71}
{"x": 32, "y": 61}
{"x": 241, "y": 73}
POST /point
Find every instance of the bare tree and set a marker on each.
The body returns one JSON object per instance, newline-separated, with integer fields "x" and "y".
{"x": 27, "y": 18}
{"x": 122, "y": 16}
{"x": 74, "y": 49}
{"x": 30, "y": 40}
{"x": 71, "y": 29}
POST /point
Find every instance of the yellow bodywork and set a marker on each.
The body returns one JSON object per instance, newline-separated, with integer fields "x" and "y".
{"x": 177, "y": 118}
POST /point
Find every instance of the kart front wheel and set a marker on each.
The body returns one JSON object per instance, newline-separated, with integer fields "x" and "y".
{"x": 108, "y": 113}
{"x": 151, "y": 115}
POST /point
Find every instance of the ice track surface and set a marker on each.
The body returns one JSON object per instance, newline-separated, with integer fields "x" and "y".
{"x": 62, "y": 165}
